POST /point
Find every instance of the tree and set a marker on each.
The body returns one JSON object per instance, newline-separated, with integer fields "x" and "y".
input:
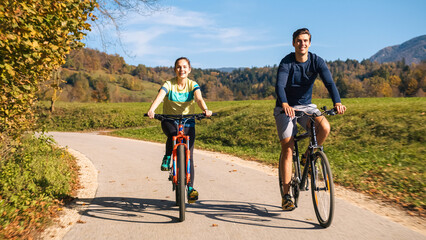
{"x": 81, "y": 88}
{"x": 395, "y": 82}
{"x": 114, "y": 12}
{"x": 377, "y": 87}
{"x": 35, "y": 37}
{"x": 55, "y": 85}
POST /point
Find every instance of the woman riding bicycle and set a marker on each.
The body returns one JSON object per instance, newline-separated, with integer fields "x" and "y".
{"x": 295, "y": 80}
{"x": 181, "y": 94}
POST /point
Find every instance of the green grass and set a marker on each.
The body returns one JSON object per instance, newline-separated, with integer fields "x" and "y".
{"x": 88, "y": 116}
{"x": 149, "y": 91}
{"x": 376, "y": 147}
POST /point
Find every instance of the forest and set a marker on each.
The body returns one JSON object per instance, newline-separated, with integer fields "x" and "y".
{"x": 93, "y": 76}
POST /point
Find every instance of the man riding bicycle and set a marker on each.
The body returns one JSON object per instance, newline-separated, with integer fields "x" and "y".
{"x": 181, "y": 94}
{"x": 295, "y": 80}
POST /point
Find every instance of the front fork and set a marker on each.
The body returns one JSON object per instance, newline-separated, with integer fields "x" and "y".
{"x": 177, "y": 141}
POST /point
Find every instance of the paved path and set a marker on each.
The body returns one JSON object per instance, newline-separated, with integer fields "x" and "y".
{"x": 238, "y": 200}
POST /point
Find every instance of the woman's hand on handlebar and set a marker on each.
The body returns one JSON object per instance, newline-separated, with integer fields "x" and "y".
{"x": 151, "y": 114}
{"x": 208, "y": 113}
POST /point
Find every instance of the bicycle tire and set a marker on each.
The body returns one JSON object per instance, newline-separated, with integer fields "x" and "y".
{"x": 322, "y": 188}
{"x": 280, "y": 180}
{"x": 181, "y": 181}
{"x": 294, "y": 182}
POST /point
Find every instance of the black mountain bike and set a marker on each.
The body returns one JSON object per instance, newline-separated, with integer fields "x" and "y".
{"x": 318, "y": 167}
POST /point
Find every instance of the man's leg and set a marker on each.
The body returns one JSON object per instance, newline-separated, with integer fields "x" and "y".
{"x": 323, "y": 129}
{"x": 287, "y": 145}
{"x": 286, "y": 128}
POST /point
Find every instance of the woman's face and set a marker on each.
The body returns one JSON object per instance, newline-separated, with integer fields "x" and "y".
{"x": 182, "y": 69}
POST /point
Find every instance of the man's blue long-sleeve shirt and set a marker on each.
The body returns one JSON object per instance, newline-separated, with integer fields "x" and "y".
{"x": 295, "y": 80}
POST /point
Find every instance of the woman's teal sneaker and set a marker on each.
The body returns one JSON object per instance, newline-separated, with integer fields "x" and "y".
{"x": 165, "y": 165}
{"x": 192, "y": 195}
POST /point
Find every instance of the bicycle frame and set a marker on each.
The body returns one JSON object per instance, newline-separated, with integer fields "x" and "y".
{"x": 181, "y": 139}
{"x": 313, "y": 145}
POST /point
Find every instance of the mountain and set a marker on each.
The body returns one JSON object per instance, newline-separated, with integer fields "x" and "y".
{"x": 226, "y": 69}
{"x": 413, "y": 51}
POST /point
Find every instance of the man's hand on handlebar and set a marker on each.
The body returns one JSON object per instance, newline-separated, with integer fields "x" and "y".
{"x": 340, "y": 108}
{"x": 288, "y": 110}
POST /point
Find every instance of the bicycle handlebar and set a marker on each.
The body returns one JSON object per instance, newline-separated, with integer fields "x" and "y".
{"x": 299, "y": 113}
{"x": 180, "y": 117}
{"x": 329, "y": 112}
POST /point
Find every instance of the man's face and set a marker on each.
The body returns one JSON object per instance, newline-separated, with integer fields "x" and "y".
{"x": 301, "y": 44}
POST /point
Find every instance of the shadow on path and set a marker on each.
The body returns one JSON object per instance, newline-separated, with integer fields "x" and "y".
{"x": 137, "y": 210}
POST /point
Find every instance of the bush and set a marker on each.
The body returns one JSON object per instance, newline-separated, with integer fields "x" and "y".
{"x": 35, "y": 178}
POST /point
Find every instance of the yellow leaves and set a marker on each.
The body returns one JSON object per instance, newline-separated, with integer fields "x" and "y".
{"x": 36, "y": 36}
{"x": 11, "y": 36}
{"x": 9, "y": 69}
{"x": 34, "y": 45}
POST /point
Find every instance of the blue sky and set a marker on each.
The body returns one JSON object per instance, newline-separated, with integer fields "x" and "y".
{"x": 257, "y": 33}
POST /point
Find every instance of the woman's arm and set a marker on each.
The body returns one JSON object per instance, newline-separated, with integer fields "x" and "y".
{"x": 160, "y": 96}
{"x": 200, "y": 101}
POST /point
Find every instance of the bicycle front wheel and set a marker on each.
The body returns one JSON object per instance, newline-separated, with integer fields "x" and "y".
{"x": 322, "y": 188}
{"x": 181, "y": 182}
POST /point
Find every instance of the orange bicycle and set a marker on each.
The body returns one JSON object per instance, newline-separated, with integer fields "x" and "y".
{"x": 180, "y": 172}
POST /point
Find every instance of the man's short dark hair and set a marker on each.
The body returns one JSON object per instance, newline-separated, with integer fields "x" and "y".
{"x": 301, "y": 31}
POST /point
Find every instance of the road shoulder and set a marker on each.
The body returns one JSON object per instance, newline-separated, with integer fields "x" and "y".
{"x": 70, "y": 215}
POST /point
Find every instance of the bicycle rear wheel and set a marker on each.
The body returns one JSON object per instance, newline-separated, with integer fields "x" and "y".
{"x": 180, "y": 194}
{"x": 294, "y": 182}
{"x": 322, "y": 188}
{"x": 280, "y": 179}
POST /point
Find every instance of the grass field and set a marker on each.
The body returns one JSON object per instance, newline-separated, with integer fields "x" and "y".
{"x": 377, "y": 147}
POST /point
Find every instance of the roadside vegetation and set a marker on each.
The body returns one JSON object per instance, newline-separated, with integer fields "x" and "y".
{"x": 35, "y": 182}
{"x": 377, "y": 147}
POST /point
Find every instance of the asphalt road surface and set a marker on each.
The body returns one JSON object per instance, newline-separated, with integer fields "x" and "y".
{"x": 238, "y": 200}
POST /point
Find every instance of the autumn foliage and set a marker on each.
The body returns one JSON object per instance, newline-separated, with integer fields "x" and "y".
{"x": 82, "y": 80}
{"x": 35, "y": 37}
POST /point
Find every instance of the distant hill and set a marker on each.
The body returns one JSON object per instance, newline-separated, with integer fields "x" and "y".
{"x": 413, "y": 51}
{"x": 226, "y": 69}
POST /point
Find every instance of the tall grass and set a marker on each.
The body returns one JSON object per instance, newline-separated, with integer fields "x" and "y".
{"x": 89, "y": 116}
